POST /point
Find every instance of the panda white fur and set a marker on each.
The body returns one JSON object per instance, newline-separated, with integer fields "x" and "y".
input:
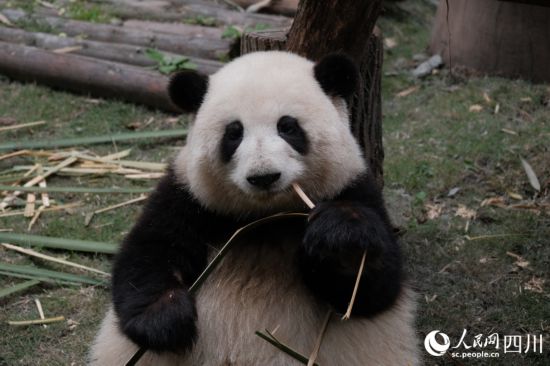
{"x": 263, "y": 122}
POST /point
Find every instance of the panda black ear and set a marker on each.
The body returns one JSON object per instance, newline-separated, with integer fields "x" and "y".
{"x": 338, "y": 75}
{"x": 187, "y": 89}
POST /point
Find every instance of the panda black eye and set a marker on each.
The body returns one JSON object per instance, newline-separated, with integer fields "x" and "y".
{"x": 289, "y": 130}
{"x": 234, "y": 131}
{"x": 287, "y": 125}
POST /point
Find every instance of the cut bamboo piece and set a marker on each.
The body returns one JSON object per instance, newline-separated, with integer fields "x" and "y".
{"x": 17, "y": 288}
{"x": 81, "y": 141}
{"x": 29, "y": 207}
{"x": 49, "y": 209}
{"x": 7, "y": 201}
{"x": 347, "y": 315}
{"x": 42, "y": 184}
{"x": 40, "y": 311}
{"x": 35, "y": 217}
{"x": 37, "y": 321}
{"x": 36, "y": 254}
{"x": 22, "y": 125}
{"x": 317, "y": 347}
{"x": 58, "y": 243}
{"x": 112, "y": 207}
{"x": 117, "y": 155}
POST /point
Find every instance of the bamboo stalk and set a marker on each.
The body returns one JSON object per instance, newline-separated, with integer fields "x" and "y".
{"x": 50, "y": 258}
{"x": 40, "y": 310}
{"x": 22, "y": 125}
{"x": 117, "y": 155}
{"x": 46, "y": 273}
{"x": 36, "y": 180}
{"x": 113, "y": 207}
{"x": 30, "y": 206}
{"x": 58, "y": 243}
{"x": 75, "y": 189}
{"x": 36, "y": 321}
{"x": 17, "y": 288}
{"x": 49, "y": 209}
{"x": 317, "y": 347}
{"x": 14, "y": 154}
{"x": 347, "y": 315}
{"x": 35, "y": 217}
{"x": 82, "y": 141}
{"x": 42, "y": 184}
{"x": 300, "y": 192}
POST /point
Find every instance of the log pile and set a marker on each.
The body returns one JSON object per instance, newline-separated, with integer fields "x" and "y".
{"x": 111, "y": 60}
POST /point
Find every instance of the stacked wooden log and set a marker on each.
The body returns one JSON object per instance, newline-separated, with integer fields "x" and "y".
{"x": 109, "y": 60}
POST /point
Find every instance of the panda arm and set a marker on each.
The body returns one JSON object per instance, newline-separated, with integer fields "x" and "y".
{"x": 338, "y": 233}
{"x": 160, "y": 258}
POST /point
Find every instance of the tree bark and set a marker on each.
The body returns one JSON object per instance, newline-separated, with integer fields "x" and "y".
{"x": 85, "y": 75}
{"x": 123, "y": 53}
{"x": 323, "y": 27}
{"x": 494, "y": 37}
{"x": 268, "y": 40}
{"x": 203, "y": 42}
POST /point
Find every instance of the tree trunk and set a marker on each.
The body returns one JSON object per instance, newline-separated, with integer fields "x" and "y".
{"x": 204, "y": 42}
{"x": 123, "y": 53}
{"x": 494, "y": 37}
{"x": 268, "y": 40}
{"x": 322, "y": 27}
{"x": 83, "y": 74}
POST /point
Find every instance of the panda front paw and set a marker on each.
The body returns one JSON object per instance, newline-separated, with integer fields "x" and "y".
{"x": 168, "y": 324}
{"x": 343, "y": 230}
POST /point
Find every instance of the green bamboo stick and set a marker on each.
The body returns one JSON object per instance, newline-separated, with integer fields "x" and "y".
{"x": 55, "y": 275}
{"x": 39, "y": 278}
{"x": 73, "y": 189}
{"x": 81, "y": 141}
{"x": 17, "y": 288}
{"x": 58, "y": 243}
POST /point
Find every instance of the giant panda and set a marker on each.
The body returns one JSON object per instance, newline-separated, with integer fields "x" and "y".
{"x": 261, "y": 123}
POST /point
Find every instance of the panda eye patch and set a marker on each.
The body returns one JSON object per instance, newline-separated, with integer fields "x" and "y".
{"x": 234, "y": 131}
{"x": 289, "y": 130}
{"x": 231, "y": 140}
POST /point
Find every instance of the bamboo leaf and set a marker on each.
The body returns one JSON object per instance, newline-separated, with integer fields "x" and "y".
{"x": 58, "y": 243}
{"x": 533, "y": 180}
{"x": 81, "y": 141}
{"x": 17, "y": 288}
{"x": 46, "y": 273}
{"x": 283, "y": 347}
{"x": 74, "y": 189}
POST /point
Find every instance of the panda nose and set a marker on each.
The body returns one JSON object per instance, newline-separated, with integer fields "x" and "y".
{"x": 263, "y": 181}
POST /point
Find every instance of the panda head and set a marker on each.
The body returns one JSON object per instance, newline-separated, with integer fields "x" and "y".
{"x": 262, "y": 122}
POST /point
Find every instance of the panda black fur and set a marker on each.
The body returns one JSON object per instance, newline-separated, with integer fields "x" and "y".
{"x": 263, "y": 122}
